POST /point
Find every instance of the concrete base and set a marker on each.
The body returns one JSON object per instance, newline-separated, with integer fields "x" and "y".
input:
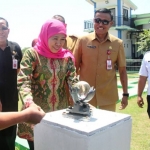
{"x": 104, "y": 130}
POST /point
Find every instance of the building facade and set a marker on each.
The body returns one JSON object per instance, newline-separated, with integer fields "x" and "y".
{"x": 126, "y": 26}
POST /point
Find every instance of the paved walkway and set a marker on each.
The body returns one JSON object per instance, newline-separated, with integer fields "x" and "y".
{"x": 132, "y": 88}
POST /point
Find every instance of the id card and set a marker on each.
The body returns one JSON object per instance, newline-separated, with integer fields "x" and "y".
{"x": 15, "y": 64}
{"x": 109, "y": 64}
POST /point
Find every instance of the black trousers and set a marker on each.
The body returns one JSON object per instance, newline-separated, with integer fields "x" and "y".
{"x": 148, "y": 105}
{"x": 8, "y": 135}
{"x": 7, "y": 138}
{"x": 31, "y": 145}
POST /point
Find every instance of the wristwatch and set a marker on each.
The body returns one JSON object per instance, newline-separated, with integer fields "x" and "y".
{"x": 126, "y": 94}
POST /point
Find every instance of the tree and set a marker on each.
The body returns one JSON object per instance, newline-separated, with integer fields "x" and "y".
{"x": 144, "y": 41}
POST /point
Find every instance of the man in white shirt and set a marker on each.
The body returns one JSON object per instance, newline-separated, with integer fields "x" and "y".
{"x": 144, "y": 75}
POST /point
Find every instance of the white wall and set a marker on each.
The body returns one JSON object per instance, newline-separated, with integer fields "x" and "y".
{"x": 146, "y": 26}
{"x": 113, "y": 32}
{"x": 127, "y": 44}
{"x": 111, "y": 4}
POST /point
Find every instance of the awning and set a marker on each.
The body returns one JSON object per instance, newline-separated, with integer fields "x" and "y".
{"x": 142, "y": 21}
{"x": 89, "y": 30}
{"x": 125, "y": 28}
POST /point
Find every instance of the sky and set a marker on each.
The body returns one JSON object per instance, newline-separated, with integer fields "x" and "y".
{"x": 26, "y": 17}
{"x": 143, "y": 6}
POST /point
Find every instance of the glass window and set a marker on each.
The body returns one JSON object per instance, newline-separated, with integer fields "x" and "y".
{"x": 125, "y": 14}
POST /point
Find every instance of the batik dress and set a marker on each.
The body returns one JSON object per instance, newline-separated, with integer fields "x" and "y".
{"x": 42, "y": 80}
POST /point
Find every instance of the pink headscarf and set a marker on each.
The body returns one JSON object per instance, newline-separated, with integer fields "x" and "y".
{"x": 50, "y": 28}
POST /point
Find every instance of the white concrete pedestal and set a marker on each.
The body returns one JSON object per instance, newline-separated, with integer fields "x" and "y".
{"x": 104, "y": 130}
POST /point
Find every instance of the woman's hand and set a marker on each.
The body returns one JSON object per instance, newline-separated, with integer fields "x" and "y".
{"x": 34, "y": 114}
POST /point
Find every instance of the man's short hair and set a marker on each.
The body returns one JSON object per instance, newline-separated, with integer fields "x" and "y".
{"x": 104, "y": 10}
{"x": 5, "y": 21}
{"x": 59, "y": 16}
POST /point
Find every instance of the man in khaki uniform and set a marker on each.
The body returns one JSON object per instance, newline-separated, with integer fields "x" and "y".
{"x": 70, "y": 42}
{"x": 97, "y": 55}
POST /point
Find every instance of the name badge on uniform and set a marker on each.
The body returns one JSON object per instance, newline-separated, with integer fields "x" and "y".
{"x": 109, "y": 64}
{"x": 15, "y": 63}
{"x": 91, "y": 46}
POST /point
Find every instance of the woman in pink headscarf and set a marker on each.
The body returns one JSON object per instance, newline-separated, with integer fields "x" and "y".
{"x": 44, "y": 70}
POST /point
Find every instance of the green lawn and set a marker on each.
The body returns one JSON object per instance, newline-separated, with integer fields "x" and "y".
{"x": 140, "y": 139}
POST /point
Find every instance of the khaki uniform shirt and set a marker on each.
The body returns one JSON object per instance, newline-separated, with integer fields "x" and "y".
{"x": 90, "y": 57}
{"x": 70, "y": 42}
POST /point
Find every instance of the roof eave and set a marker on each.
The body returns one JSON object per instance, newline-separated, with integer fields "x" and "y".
{"x": 89, "y": 1}
{"x": 131, "y": 4}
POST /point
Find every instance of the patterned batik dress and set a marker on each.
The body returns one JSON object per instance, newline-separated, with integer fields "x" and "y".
{"x": 42, "y": 80}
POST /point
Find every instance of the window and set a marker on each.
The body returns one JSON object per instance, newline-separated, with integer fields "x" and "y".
{"x": 125, "y": 14}
{"x": 114, "y": 15}
{"x": 84, "y": 24}
{"x": 113, "y": 12}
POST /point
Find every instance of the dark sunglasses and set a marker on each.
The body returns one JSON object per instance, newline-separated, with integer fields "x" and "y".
{"x": 104, "y": 22}
{"x": 4, "y": 28}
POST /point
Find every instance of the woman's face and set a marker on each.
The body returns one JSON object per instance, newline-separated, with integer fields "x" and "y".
{"x": 56, "y": 42}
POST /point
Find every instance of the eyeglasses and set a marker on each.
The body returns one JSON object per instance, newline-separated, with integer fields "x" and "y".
{"x": 4, "y": 28}
{"x": 104, "y": 22}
